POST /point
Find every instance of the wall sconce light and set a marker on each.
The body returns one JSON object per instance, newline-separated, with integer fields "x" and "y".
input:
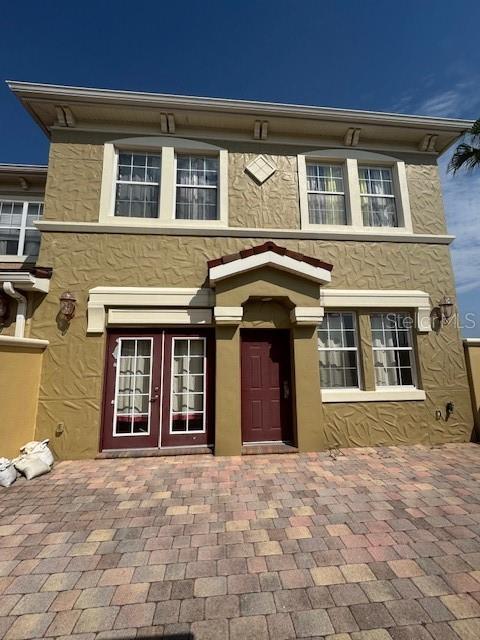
{"x": 4, "y": 308}
{"x": 67, "y": 305}
{"x": 443, "y": 313}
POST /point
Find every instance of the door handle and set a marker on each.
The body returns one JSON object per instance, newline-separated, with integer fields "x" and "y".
{"x": 154, "y": 398}
{"x": 286, "y": 390}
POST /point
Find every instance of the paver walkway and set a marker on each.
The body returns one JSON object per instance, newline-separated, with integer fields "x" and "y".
{"x": 367, "y": 545}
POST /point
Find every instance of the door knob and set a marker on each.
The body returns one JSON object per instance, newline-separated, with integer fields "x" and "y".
{"x": 153, "y": 399}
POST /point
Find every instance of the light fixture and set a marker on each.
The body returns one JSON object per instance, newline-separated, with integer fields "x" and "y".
{"x": 67, "y": 305}
{"x": 446, "y": 309}
{"x": 4, "y": 308}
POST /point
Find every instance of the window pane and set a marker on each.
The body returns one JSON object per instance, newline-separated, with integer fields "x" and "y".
{"x": 392, "y": 350}
{"x": 136, "y": 201}
{"x": 31, "y": 245}
{"x": 137, "y": 193}
{"x": 338, "y": 354}
{"x": 196, "y": 204}
{"x": 379, "y": 212}
{"x": 9, "y": 241}
{"x": 187, "y": 385}
{"x": 326, "y": 200}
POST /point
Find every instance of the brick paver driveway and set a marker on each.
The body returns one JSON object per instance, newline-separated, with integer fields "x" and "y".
{"x": 371, "y": 544}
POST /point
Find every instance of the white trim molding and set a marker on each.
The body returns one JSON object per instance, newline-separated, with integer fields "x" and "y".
{"x": 23, "y": 343}
{"x": 269, "y": 259}
{"x": 381, "y": 299}
{"x": 25, "y": 281}
{"x": 357, "y": 395}
{"x": 155, "y": 317}
{"x": 319, "y": 233}
{"x": 228, "y": 315}
{"x": 123, "y": 298}
{"x": 306, "y": 315}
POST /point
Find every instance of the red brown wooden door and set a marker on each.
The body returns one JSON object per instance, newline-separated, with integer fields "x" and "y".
{"x": 266, "y": 396}
{"x": 132, "y": 390}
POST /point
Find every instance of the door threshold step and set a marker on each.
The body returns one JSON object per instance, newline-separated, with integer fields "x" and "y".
{"x": 259, "y": 449}
{"x": 155, "y": 453}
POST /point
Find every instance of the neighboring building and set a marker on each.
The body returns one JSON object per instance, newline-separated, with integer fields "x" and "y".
{"x": 244, "y": 273}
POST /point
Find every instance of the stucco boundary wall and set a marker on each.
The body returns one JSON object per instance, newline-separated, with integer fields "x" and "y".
{"x": 20, "y": 371}
{"x": 472, "y": 358}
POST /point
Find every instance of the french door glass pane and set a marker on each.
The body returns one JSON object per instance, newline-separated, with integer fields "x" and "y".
{"x": 132, "y": 388}
{"x": 188, "y": 385}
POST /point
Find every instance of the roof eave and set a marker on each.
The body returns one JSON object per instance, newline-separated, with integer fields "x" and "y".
{"x": 26, "y": 91}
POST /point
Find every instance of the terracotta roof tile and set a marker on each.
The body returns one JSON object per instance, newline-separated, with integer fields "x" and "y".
{"x": 270, "y": 246}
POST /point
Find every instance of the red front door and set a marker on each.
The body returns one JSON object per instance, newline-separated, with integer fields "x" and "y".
{"x": 266, "y": 396}
{"x": 157, "y": 389}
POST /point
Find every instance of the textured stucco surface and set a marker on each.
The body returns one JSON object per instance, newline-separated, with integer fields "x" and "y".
{"x": 74, "y": 182}
{"x": 425, "y": 194}
{"x": 20, "y": 371}
{"x": 75, "y": 174}
{"x": 272, "y": 205}
{"x": 71, "y": 386}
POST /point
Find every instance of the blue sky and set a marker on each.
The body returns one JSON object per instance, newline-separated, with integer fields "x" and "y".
{"x": 411, "y": 56}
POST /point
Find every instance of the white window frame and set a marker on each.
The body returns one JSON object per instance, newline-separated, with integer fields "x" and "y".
{"x": 356, "y": 348}
{"x": 172, "y": 375}
{"x": 391, "y": 196}
{"x": 350, "y": 159}
{"x": 117, "y": 377}
{"x": 141, "y": 184}
{"x": 22, "y": 228}
{"x": 177, "y": 185}
{"x": 166, "y": 148}
{"x": 410, "y": 349}
{"x": 328, "y": 193}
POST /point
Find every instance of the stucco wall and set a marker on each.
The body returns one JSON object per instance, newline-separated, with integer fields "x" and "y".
{"x": 71, "y": 387}
{"x": 19, "y": 384}
{"x": 75, "y": 174}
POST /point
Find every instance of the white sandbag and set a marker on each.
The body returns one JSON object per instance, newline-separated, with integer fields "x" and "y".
{"x": 8, "y": 474}
{"x": 40, "y": 449}
{"x": 31, "y": 466}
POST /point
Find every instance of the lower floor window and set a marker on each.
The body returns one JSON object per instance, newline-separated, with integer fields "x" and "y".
{"x": 392, "y": 349}
{"x": 187, "y": 407}
{"x": 338, "y": 351}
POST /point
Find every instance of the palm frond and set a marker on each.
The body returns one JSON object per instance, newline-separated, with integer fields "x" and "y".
{"x": 475, "y": 130}
{"x": 466, "y": 156}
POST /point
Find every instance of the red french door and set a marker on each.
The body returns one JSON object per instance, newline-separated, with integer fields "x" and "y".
{"x": 266, "y": 397}
{"x": 157, "y": 389}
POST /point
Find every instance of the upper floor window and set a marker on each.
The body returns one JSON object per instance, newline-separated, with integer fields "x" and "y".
{"x": 196, "y": 188}
{"x": 377, "y": 197}
{"x": 137, "y": 185}
{"x": 18, "y": 235}
{"x": 337, "y": 346}
{"x": 392, "y": 349}
{"x": 326, "y": 194}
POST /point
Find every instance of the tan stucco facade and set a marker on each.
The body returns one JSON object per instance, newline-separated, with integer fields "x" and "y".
{"x": 72, "y": 379}
{"x": 20, "y": 371}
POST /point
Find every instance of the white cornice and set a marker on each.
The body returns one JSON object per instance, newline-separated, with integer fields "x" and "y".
{"x": 269, "y": 259}
{"x": 36, "y": 169}
{"x": 23, "y": 343}
{"x": 242, "y": 232}
{"x": 29, "y": 90}
{"x": 25, "y": 281}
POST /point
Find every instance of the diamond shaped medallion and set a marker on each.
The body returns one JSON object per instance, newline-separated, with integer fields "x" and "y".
{"x": 260, "y": 169}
